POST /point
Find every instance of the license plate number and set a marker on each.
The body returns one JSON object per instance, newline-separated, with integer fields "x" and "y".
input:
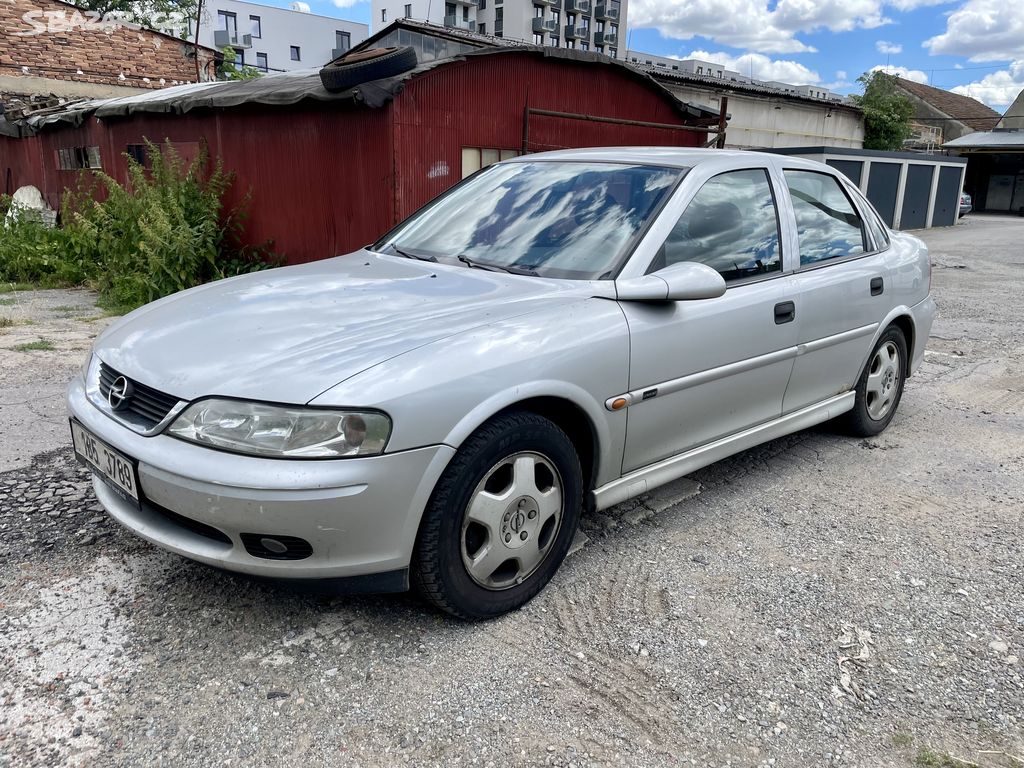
{"x": 117, "y": 469}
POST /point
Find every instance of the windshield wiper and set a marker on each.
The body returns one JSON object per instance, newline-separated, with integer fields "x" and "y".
{"x": 495, "y": 267}
{"x": 410, "y": 254}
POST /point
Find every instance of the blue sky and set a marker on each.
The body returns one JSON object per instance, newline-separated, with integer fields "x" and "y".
{"x": 974, "y": 47}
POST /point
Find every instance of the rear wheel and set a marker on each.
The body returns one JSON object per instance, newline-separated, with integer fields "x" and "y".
{"x": 880, "y": 386}
{"x": 501, "y": 519}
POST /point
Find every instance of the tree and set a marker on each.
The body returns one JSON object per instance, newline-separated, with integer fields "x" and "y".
{"x": 229, "y": 70}
{"x": 887, "y": 112}
{"x": 161, "y": 15}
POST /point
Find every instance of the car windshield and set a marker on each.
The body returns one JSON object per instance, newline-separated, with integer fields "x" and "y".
{"x": 555, "y": 219}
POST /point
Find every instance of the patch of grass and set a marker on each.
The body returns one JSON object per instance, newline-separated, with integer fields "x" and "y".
{"x": 928, "y": 758}
{"x": 12, "y": 287}
{"x": 6, "y": 322}
{"x": 902, "y": 739}
{"x": 42, "y": 345}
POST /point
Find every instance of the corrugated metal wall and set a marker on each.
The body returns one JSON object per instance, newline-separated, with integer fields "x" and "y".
{"x": 326, "y": 179}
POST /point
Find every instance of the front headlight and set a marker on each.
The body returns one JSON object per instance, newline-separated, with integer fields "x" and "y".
{"x": 283, "y": 432}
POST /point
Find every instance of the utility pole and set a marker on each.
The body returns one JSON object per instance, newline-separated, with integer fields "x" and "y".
{"x": 199, "y": 16}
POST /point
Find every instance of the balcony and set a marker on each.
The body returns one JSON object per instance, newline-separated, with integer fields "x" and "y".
{"x": 573, "y": 32}
{"x": 548, "y": 3}
{"x": 457, "y": 22}
{"x": 337, "y": 53}
{"x": 605, "y": 38}
{"x": 540, "y": 26}
{"x": 577, "y": 6}
{"x": 607, "y": 12}
{"x": 223, "y": 39}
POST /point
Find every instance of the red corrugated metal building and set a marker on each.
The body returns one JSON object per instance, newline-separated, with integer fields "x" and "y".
{"x": 328, "y": 173}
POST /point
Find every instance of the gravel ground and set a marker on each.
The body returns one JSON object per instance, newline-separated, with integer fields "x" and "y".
{"x": 816, "y": 601}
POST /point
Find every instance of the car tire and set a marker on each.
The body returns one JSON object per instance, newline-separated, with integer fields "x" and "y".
{"x": 364, "y": 66}
{"x": 501, "y": 519}
{"x": 880, "y": 386}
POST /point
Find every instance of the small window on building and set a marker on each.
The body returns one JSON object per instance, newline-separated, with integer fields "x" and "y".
{"x": 239, "y": 57}
{"x": 481, "y": 28}
{"x": 482, "y": 5}
{"x": 137, "y": 152}
{"x": 261, "y": 62}
{"x": 296, "y": 53}
{"x": 613, "y": 52}
{"x": 538, "y": 11}
{"x": 342, "y": 41}
{"x": 475, "y": 158}
{"x": 599, "y": 48}
{"x": 700, "y": 70}
{"x": 554, "y": 42}
{"x": 384, "y": 15}
{"x": 228, "y": 22}
{"x": 256, "y": 27}
{"x": 78, "y": 158}
{"x": 408, "y": 10}
{"x": 538, "y": 39}
{"x": 584, "y": 45}
{"x": 827, "y": 223}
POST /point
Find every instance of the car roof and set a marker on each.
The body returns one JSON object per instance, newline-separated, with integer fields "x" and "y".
{"x": 681, "y": 157}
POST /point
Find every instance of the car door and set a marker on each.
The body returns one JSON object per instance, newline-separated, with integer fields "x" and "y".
{"x": 841, "y": 284}
{"x": 704, "y": 369}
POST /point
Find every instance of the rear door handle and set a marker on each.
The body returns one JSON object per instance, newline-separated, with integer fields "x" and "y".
{"x": 877, "y": 286}
{"x": 785, "y": 312}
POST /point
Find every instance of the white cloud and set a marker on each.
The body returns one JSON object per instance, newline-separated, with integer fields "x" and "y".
{"x": 909, "y": 5}
{"x": 915, "y": 75}
{"x": 888, "y": 48}
{"x": 997, "y": 89}
{"x": 756, "y": 25}
{"x": 761, "y": 67}
{"x": 346, "y": 3}
{"x": 982, "y": 30}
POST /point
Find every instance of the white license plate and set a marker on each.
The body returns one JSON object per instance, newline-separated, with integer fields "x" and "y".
{"x": 115, "y": 468}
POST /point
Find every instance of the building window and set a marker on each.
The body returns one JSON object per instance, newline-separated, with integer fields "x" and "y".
{"x": 499, "y": 21}
{"x": 261, "y": 62}
{"x": 229, "y": 22}
{"x": 481, "y": 28}
{"x": 482, "y": 6}
{"x": 136, "y": 152}
{"x": 408, "y": 10}
{"x": 255, "y": 27}
{"x": 599, "y": 48}
{"x": 538, "y": 39}
{"x": 700, "y": 70}
{"x": 475, "y": 158}
{"x": 296, "y": 53}
{"x": 239, "y": 56}
{"x": 584, "y": 45}
{"x": 600, "y": 27}
{"x": 342, "y": 41}
{"x": 78, "y": 158}
{"x": 570, "y": 19}
{"x": 554, "y": 41}
{"x": 538, "y": 11}
{"x": 384, "y": 15}
{"x": 613, "y": 52}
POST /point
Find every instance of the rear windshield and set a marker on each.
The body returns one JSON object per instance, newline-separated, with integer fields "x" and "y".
{"x": 555, "y": 219}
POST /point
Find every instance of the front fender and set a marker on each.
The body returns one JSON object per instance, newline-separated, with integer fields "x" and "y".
{"x": 441, "y": 392}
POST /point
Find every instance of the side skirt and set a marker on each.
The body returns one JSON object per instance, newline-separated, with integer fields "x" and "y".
{"x": 646, "y": 478}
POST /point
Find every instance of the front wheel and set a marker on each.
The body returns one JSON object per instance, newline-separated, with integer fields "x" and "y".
{"x": 880, "y": 386}
{"x": 501, "y": 519}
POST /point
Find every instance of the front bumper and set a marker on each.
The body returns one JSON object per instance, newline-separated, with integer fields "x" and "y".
{"x": 359, "y": 515}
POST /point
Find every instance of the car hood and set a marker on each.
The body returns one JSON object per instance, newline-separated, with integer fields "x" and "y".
{"x": 286, "y": 335}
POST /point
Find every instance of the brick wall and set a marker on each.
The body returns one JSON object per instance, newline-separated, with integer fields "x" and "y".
{"x": 125, "y": 57}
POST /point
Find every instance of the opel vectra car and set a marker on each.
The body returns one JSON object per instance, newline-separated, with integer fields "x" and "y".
{"x": 560, "y": 331}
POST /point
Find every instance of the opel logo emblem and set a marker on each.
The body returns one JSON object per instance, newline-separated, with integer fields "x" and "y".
{"x": 120, "y": 394}
{"x": 517, "y": 521}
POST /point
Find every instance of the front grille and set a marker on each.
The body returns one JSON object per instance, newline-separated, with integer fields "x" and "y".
{"x": 271, "y": 547}
{"x": 147, "y": 405}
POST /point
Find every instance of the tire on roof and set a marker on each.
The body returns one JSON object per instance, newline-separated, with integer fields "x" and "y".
{"x": 364, "y": 66}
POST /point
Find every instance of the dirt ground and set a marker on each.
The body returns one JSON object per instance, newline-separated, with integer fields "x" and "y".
{"x": 816, "y": 601}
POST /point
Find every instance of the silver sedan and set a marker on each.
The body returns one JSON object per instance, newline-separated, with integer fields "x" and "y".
{"x": 559, "y": 332}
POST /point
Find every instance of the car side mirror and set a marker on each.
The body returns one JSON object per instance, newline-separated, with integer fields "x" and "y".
{"x": 685, "y": 281}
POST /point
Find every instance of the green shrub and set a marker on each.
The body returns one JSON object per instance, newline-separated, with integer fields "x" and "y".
{"x": 163, "y": 231}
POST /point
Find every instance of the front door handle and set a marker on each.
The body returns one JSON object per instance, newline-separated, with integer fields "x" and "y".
{"x": 785, "y": 312}
{"x": 877, "y": 286}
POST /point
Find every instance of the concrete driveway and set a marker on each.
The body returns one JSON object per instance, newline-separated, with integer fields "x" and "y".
{"x": 817, "y": 601}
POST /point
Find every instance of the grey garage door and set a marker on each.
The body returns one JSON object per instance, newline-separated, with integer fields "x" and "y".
{"x": 916, "y": 192}
{"x": 882, "y": 185}
{"x": 947, "y": 197}
{"x": 851, "y": 168}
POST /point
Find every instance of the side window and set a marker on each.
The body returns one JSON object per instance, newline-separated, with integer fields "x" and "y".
{"x": 826, "y": 221}
{"x": 731, "y": 225}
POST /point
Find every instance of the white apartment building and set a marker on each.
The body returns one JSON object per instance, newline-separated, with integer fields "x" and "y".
{"x": 277, "y": 39}
{"x": 586, "y": 25}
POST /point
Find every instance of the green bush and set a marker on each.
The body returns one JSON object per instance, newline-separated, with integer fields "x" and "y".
{"x": 163, "y": 231}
